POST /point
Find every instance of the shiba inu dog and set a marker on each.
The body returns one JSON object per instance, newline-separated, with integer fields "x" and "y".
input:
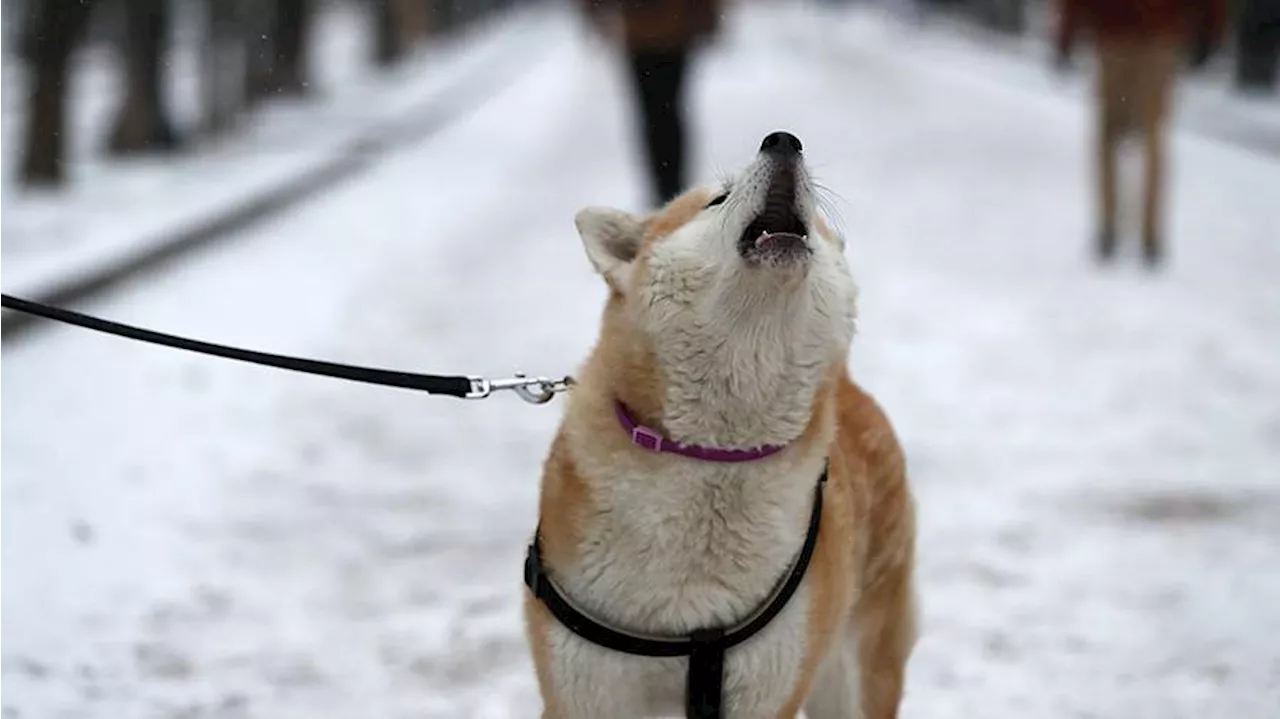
{"x": 725, "y": 527}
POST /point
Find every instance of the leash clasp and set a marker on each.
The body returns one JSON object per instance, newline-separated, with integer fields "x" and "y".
{"x": 534, "y": 390}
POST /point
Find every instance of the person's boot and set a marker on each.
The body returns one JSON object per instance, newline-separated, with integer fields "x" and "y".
{"x": 1152, "y": 251}
{"x": 1106, "y": 245}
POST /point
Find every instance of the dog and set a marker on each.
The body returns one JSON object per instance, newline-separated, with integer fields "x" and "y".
{"x": 717, "y": 471}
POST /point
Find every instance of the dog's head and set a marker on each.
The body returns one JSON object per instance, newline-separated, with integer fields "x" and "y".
{"x": 731, "y": 287}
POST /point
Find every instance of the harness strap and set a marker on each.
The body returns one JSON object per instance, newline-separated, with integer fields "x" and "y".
{"x": 705, "y": 688}
{"x": 705, "y": 648}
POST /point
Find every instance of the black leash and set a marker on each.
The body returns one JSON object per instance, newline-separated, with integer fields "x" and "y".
{"x": 705, "y": 648}
{"x": 532, "y": 389}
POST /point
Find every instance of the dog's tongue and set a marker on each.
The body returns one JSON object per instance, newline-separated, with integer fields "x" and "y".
{"x": 778, "y": 239}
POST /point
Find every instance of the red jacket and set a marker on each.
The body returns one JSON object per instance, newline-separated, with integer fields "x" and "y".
{"x": 1140, "y": 19}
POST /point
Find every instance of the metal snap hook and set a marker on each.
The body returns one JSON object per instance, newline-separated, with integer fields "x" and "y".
{"x": 541, "y": 395}
{"x": 534, "y": 390}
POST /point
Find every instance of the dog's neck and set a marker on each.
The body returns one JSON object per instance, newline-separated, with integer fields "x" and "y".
{"x": 738, "y": 401}
{"x": 739, "y": 379}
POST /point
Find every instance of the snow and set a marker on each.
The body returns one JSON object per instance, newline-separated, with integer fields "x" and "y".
{"x": 112, "y": 211}
{"x": 1094, "y": 451}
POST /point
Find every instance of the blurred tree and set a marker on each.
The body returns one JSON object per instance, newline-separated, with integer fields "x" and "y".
{"x": 415, "y": 21}
{"x": 221, "y": 59}
{"x": 259, "y": 55}
{"x": 142, "y": 123}
{"x": 1257, "y": 45}
{"x": 385, "y": 48}
{"x": 430, "y": 17}
{"x": 290, "y": 34}
{"x": 54, "y": 27}
{"x": 277, "y": 62}
{"x": 443, "y": 11}
{"x": 398, "y": 24}
{"x": 1009, "y": 16}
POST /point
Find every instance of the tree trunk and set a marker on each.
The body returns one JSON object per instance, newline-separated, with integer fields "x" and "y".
{"x": 398, "y": 26}
{"x": 259, "y": 53}
{"x": 290, "y": 28}
{"x": 1007, "y": 16}
{"x": 386, "y": 49}
{"x": 142, "y": 124}
{"x": 220, "y": 64}
{"x": 55, "y": 27}
{"x": 445, "y": 14}
{"x": 1258, "y": 46}
{"x": 411, "y": 19}
{"x": 429, "y": 21}
{"x": 277, "y": 48}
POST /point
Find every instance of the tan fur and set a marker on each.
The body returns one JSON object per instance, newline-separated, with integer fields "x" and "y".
{"x": 537, "y": 623}
{"x": 833, "y": 573}
{"x": 676, "y": 213}
{"x": 885, "y": 613}
{"x": 859, "y": 581}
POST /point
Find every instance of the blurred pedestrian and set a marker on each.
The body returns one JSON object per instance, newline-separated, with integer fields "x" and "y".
{"x": 1139, "y": 44}
{"x": 659, "y": 38}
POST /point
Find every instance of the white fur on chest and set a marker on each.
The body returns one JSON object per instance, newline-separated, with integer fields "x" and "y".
{"x": 689, "y": 546}
{"x": 760, "y": 675}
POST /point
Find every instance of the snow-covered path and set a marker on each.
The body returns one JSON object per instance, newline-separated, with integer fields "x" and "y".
{"x": 1095, "y": 453}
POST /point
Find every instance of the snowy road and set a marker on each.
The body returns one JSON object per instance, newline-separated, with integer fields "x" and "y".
{"x": 1095, "y": 453}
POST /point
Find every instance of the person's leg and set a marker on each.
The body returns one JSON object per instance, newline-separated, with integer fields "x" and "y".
{"x": 673, "y": 178}
{"x": 659, "y": 81}
{"x": 1158, "y": 70}
{"x": 1111, "y": 121}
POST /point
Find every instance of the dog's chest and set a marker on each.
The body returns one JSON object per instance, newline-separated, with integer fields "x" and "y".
{"x": 700, "y": 545}
{"x": 759, "y": 675}
{"x": 679, "y": 553}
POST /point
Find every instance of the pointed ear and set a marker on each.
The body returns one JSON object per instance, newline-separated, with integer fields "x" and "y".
{"x": 612, "y": 240}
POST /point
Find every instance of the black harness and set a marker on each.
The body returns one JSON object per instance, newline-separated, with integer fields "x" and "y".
{"x": 705, "y": 647}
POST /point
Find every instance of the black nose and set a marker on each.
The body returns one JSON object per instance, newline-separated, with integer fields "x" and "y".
{"x": 781, "y": 143}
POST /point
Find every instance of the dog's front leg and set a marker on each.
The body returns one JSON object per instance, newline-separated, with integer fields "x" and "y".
{"x": 588, "y": 682}
{"x": 577, "y": 679}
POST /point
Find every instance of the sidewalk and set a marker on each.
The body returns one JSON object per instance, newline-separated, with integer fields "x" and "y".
{"x": 115, "y": 215}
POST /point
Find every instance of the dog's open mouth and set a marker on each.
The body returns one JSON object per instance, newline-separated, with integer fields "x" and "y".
{"x": 776, "y": 236}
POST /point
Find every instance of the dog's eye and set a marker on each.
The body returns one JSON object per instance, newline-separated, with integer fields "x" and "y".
{"x": 718, "y": 200}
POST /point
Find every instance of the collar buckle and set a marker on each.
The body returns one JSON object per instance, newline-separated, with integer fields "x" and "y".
{"x": 646, "y": 438}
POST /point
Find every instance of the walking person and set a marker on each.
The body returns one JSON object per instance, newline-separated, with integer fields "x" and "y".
{"x": 1140, "y": 46}
{"x": 659, "y": 38}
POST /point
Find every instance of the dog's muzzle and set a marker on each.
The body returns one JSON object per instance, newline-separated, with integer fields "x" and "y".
{"x": 778, "y": 235}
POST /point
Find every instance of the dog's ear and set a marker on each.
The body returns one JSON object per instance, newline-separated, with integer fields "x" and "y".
{"x": 612, "y": 239}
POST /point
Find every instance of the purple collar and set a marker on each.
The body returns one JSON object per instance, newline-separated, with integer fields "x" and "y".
{"x": 652, "y": 440}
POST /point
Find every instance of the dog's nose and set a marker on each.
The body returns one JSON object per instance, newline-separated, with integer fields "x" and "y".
{"x": 781, "y": 143}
